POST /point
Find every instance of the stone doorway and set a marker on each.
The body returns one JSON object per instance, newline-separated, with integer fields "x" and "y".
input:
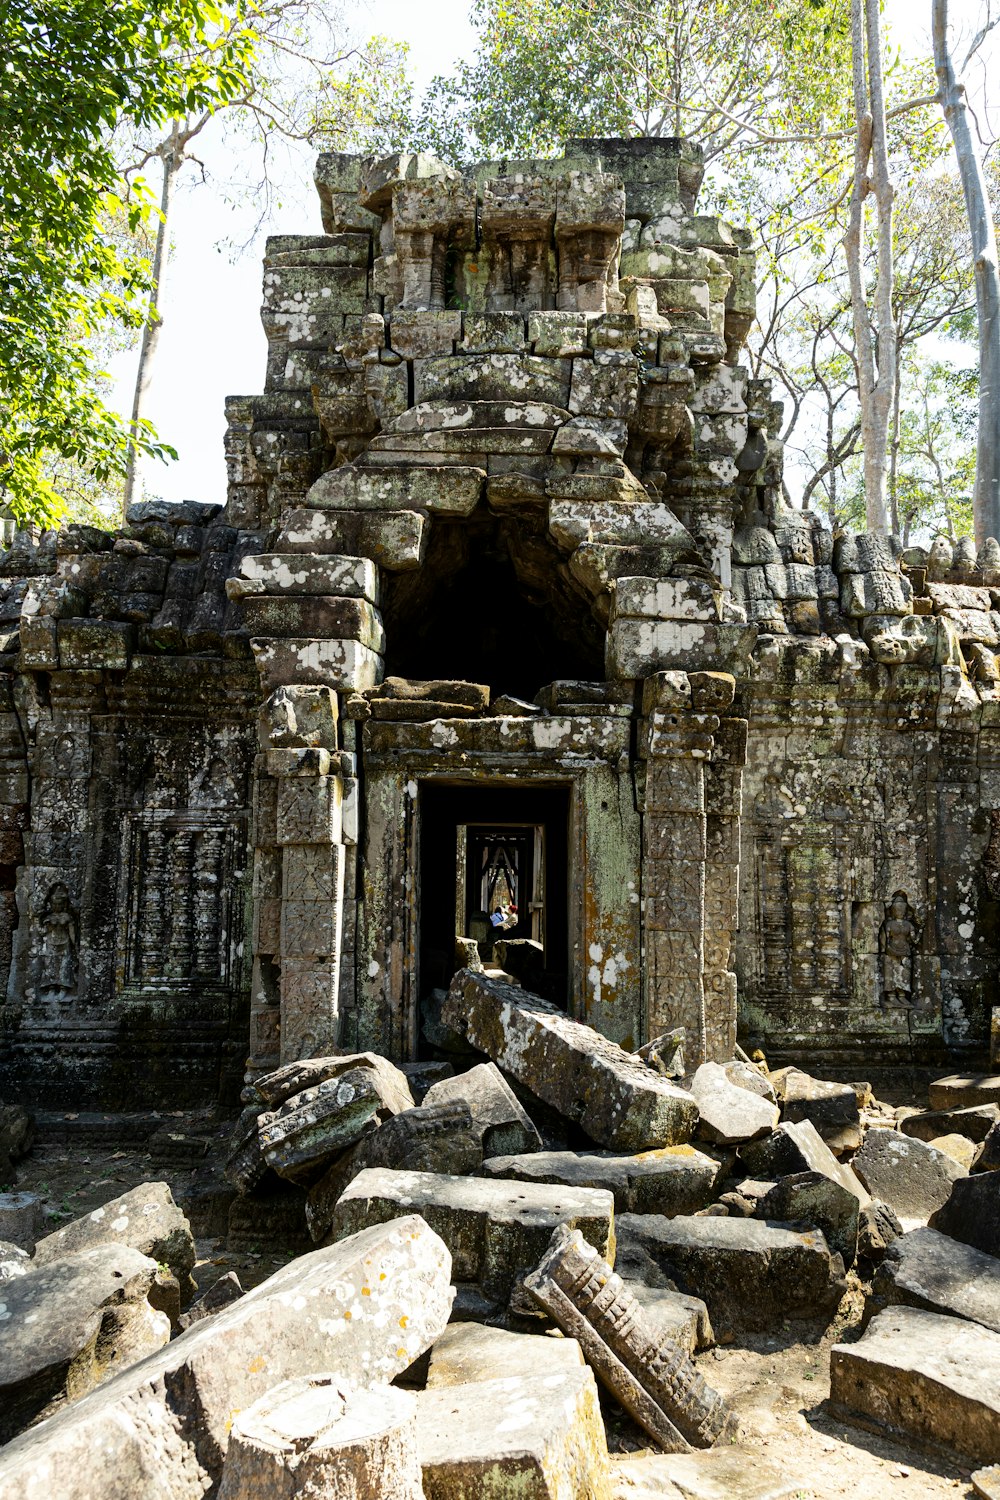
{"x": 489, "y": 853}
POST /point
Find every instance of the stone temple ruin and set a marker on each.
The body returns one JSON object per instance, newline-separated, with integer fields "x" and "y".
{"x": 452, "y": 799}
{"x": 504, "y": 607}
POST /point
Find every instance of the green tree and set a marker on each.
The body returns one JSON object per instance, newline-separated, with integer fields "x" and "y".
{"x": 71, "y": 71}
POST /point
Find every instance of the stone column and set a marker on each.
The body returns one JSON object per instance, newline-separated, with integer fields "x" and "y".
{"x": 677, "y": 743}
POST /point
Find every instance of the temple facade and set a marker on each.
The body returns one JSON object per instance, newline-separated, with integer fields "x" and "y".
{"x": 504, "y": 646}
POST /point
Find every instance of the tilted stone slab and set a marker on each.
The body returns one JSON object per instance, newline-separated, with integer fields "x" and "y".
{"x": 146, "y": 1218}
{"x": 448, "y": 491}
{"x": 539, "y": 1438}
{"x": 617, "y": 1100}
{"x": 749, "y": 1274}
{"x": 71, "y": 1324}
{"x": 729, "y": 1113}
{"x": 364, "y": 1310}
{"x": 469, "y": 1353}
{"x": 913, "y": 1177}
{"x": 495, "y": 1231}
{"x": 972, "y": 1212}
{"x": 305, "y": 573}
{"x": 814, "y": 1201}
{"x": 653, "y": 1378}
{"x": 504, "y": 1125}
{"x": 973, "y": 1121}
{"x": 395, "y": 539}
{"x": 931, "y": 1378}
{"x": 672, "y": 1180}
{"x": 930, "y": 1270}
{"x": 318, "y": 1436}
{"x": 798, "y": 1147}
{"x": 303, "y": 1134}
{"x": 962, "y": 1090}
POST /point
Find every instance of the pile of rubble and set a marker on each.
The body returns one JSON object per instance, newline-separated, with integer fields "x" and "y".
{"x": 523, "y": 1264}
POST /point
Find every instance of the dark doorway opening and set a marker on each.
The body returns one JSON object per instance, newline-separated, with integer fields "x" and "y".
{"x": 489, "y": 852}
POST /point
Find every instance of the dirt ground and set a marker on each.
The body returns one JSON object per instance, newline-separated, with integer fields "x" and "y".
{"x": 779, "y": 1383}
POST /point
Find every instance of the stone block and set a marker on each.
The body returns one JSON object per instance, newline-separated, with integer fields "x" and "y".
{"x": 719, "y": 1474}
{"x": 638, "y": 648}
{"x": 449, "y": 491}
{"x": 146, "y": 1219}
{"x": 301, "y": 1136}
{"x": 618, "y": 1101}
{"x": 911, "y": 1176}
{"x": 666, "y": 599}
{"x": 492, "y": 377}
{"x": 309, "y": 810}
{"x": 963, "y": 1090}
{"x": 418, "y": 334}
{"x": 973, "y": 1121}
{"x": 927, "y": 1378}
{"x": 70, "y": 1325}
{"x": 396, "y": 540}
{"x": 161, "y": 1430}
{"x": 289, "y": 616}
{"x": 21, "y": 1219}
{"x": 813, "y": 1201}
{"x": 673, "y": 1180}
{"x": 504, "y": 1126}
{"x": 749, "y": 1274}
{"x": 622, "y": 523}
{"x": 971, "y": 1212}
{"x": 346, "y": 666}
{"x": 319, "y": 1435}
{"x": 494, "y": 333}
{"x": 729, "y": 1114}
{"x": 799, "y": 1147}
{"x": 930, "y": 1270}
{"x": 305, "y": 573}
{"x": 469, "y": 1353}
{"x": 85, "y": 645}
{"x": 495, "y": 1231}
{"x": 832, "y": 1107}
{"x": 539, "y": 1438}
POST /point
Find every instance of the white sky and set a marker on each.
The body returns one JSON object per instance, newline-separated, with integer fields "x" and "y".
{"x": 212, "y": 344}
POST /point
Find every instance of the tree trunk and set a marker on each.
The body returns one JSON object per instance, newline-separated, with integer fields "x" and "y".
{"x": 172, "y": 157}
{"x": 875, "y": 381}
{"x": 986, "y": 496}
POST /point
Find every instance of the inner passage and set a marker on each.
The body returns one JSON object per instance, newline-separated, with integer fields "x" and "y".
{"x": 494, "y": 867}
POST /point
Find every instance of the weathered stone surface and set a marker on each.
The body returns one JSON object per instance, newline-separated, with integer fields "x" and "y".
{"x": 673, "y": 1317}
{"x": 620, "y": 1103}
{"x": 729, "y": 1113}
{"x": 832, "y": 1107}
{"x": 220, "y": 1294}
{"x": 72, "y": 1324}
{"x": 816, "y": 1201}
{"x": 17, "y": 1132}
{"x": 878, "y": 1228}
{"x": 161, "y": 1429}
{"x": 964, "y": 1090}
{"x": 720, "y": 1474}
{"x": 494, "y": 1231}
{"x": 146, "y": 1218}
{"x": 536, "y": 1438}
{"x": 673, "y": 1180}
{"x": 438, "y": 1138}
{"x": 749, "y": 1274}
{"x": 317, "y": 1435}
{"x": 21, "y": 1219}
{"x": 655, "y": 1381}
{"x": 13, "y": 1261}
{"x": 974, "y": 1122}
{"x": 930, "y": 1270}
{"x": 302, "y": 1135}
{"x": 931, "y": 1378}
{"x": 958, "y": 1147}
{"x": 502, "y": 1121}
{"x": 468, "y": 1353}
{"x": 909, "y": 1175}
{"x": 988, "y": 1159}
{"x": 971, "y": 1212}
{"x": 795, "y": 1148}
{"x": 986, "y": 1482}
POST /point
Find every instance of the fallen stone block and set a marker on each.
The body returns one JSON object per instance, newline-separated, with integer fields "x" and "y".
{"x": 749, "y": 1274}
{"x": 673, "y": 1180}
{"x": 719, "y": 1474}
{"x": 988, "y": 1159}
{"x": 959, "y": 1148}
{"x": 21, "y": 1219}
{"x": 973, "y": 1121}
{"x": 798, "y": 1147}
{"x": 964, "y": 1090}
{"x": 931, "y": 1378}
{"x": 468, "y": 1353}
{"x": 665, "y": 1054}
{"x": 71, "y": 1324}
{"x": 911, "y": 1176}
{"x": 495, "y": 1231}
{"x": 301, "y": 1137}
{"x": 13, "y": 1261}
{"x": 434, "y": 1138}
{"x": 929, "y": 1270}
{"x": 220, "y": 1294}
{"x": 832, "y": 1107}
{"x": 971, "y": 1212}
{"x": 504, "y": 1125}
{"x": 615, "y": 1098}
{"x": 655, "y": 1381}
{"x": 317, "y": 1435}
{"x": 293, "y": 1078}
{"x": 817, "y": 1202}
{"x": 878, "y": 1228}
{"x": 244, "y": 1165}
{"x": 730, "y": 1113}
{"x": 673, "y": 1317}
{"x": 146, "y": 1218}
{"x": 986, "y": 1482}
{"x": 364, "y": 1309}
{"x": 536, "y": 1438}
